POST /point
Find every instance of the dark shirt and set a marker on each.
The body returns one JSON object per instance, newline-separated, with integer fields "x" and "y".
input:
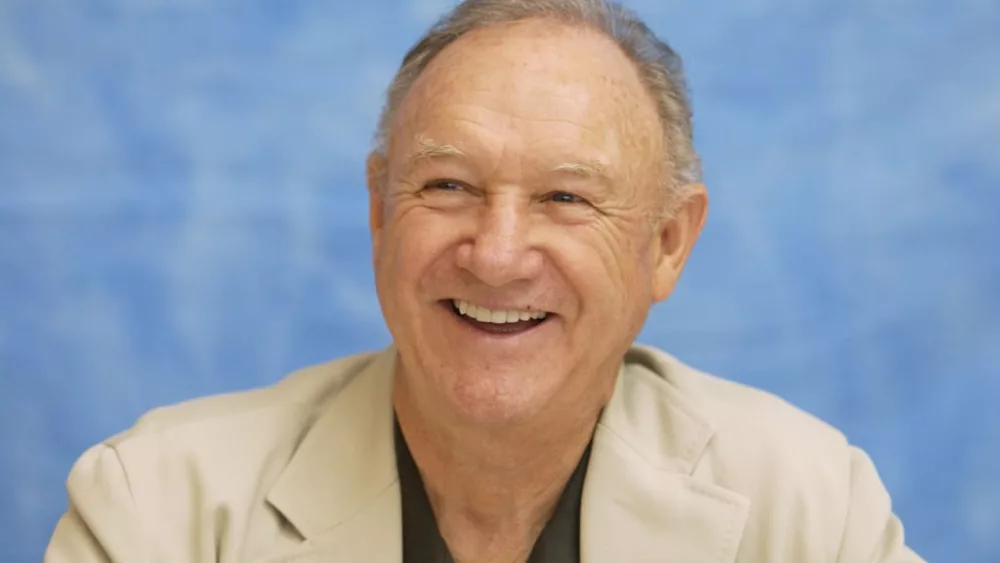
{"x": 559, "y": 541}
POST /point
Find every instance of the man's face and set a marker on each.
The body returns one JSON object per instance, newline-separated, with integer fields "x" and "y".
{"x": 515, "y": 257}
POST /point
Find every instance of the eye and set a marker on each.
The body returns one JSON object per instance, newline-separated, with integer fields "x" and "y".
{"x": 565, "y": 197}
{"x": 444, "y": 186}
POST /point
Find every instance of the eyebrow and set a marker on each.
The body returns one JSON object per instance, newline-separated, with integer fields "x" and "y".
{"x": 591, "y": 170}
{"x": 430, "y": 149}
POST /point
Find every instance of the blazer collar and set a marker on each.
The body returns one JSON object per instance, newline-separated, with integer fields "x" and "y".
{"x": 640, "y": 501}
{"x": 341, "y": 489}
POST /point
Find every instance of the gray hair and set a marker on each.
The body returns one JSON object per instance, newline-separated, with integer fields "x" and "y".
{"x": 659, "y": 67}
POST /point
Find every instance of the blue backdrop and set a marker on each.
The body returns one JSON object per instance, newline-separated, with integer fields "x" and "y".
{"x": 182, "y": 212}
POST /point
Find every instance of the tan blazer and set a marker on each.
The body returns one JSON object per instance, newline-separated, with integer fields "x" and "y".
{"x": 685, "y": 468}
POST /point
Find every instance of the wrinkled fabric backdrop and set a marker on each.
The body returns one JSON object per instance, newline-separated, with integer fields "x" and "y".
{"x": 182, "y": 212}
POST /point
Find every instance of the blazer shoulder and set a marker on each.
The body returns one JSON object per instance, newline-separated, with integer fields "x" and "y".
{"x": 735, "y": 409}
{"x": 760, "y": 442}
{"x": 305, "y": 390}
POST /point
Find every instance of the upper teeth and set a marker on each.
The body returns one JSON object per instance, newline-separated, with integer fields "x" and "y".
{"x": 484, "y": 315}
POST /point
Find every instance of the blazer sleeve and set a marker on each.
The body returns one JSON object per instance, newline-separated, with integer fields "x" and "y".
{"x": 101, "y": 524}
{"x": 873, "y": 534}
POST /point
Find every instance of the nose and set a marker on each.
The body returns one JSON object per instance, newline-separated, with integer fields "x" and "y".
{"x": 501, "y": 250}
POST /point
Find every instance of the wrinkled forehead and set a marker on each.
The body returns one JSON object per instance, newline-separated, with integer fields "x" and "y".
{"x": 532, "y": 88}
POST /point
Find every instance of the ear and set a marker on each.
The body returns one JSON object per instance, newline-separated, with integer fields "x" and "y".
{"x": 376, "y": 178}
{"x": 677, "y": 235}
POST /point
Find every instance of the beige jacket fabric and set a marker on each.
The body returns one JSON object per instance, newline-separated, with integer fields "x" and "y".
{"x": 685, "y": 468}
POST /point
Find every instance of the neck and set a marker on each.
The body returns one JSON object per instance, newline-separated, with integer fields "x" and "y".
{"x": 498, "y": 485}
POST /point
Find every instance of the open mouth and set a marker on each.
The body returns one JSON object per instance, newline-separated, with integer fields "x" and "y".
{"x": 496, "y": 321}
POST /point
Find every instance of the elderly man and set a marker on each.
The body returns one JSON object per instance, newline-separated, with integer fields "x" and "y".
{"x": 534, "y": 191}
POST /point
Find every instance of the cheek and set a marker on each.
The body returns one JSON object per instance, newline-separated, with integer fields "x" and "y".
{"x": 609, "y": 271}
{"x": 631, "y": 260}
{"x": 590, "y": 263}
{"x": 618, "y": 253}
{"x": 413, "y": 242}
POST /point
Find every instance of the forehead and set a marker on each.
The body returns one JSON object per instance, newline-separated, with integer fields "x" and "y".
{"x": 532, "y": 88}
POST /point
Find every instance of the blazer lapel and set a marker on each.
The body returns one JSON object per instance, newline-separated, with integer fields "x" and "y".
{"x": 640, "y": 502}
{"x": 341, "y": 488}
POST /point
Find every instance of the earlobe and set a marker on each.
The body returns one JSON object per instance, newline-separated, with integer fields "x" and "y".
{"x": 676, "y": 240}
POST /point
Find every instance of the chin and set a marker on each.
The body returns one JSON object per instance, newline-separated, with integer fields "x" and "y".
{"x": 495, "y": 400}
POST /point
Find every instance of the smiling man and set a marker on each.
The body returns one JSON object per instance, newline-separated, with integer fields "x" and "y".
{"x": 534, "y": 191}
